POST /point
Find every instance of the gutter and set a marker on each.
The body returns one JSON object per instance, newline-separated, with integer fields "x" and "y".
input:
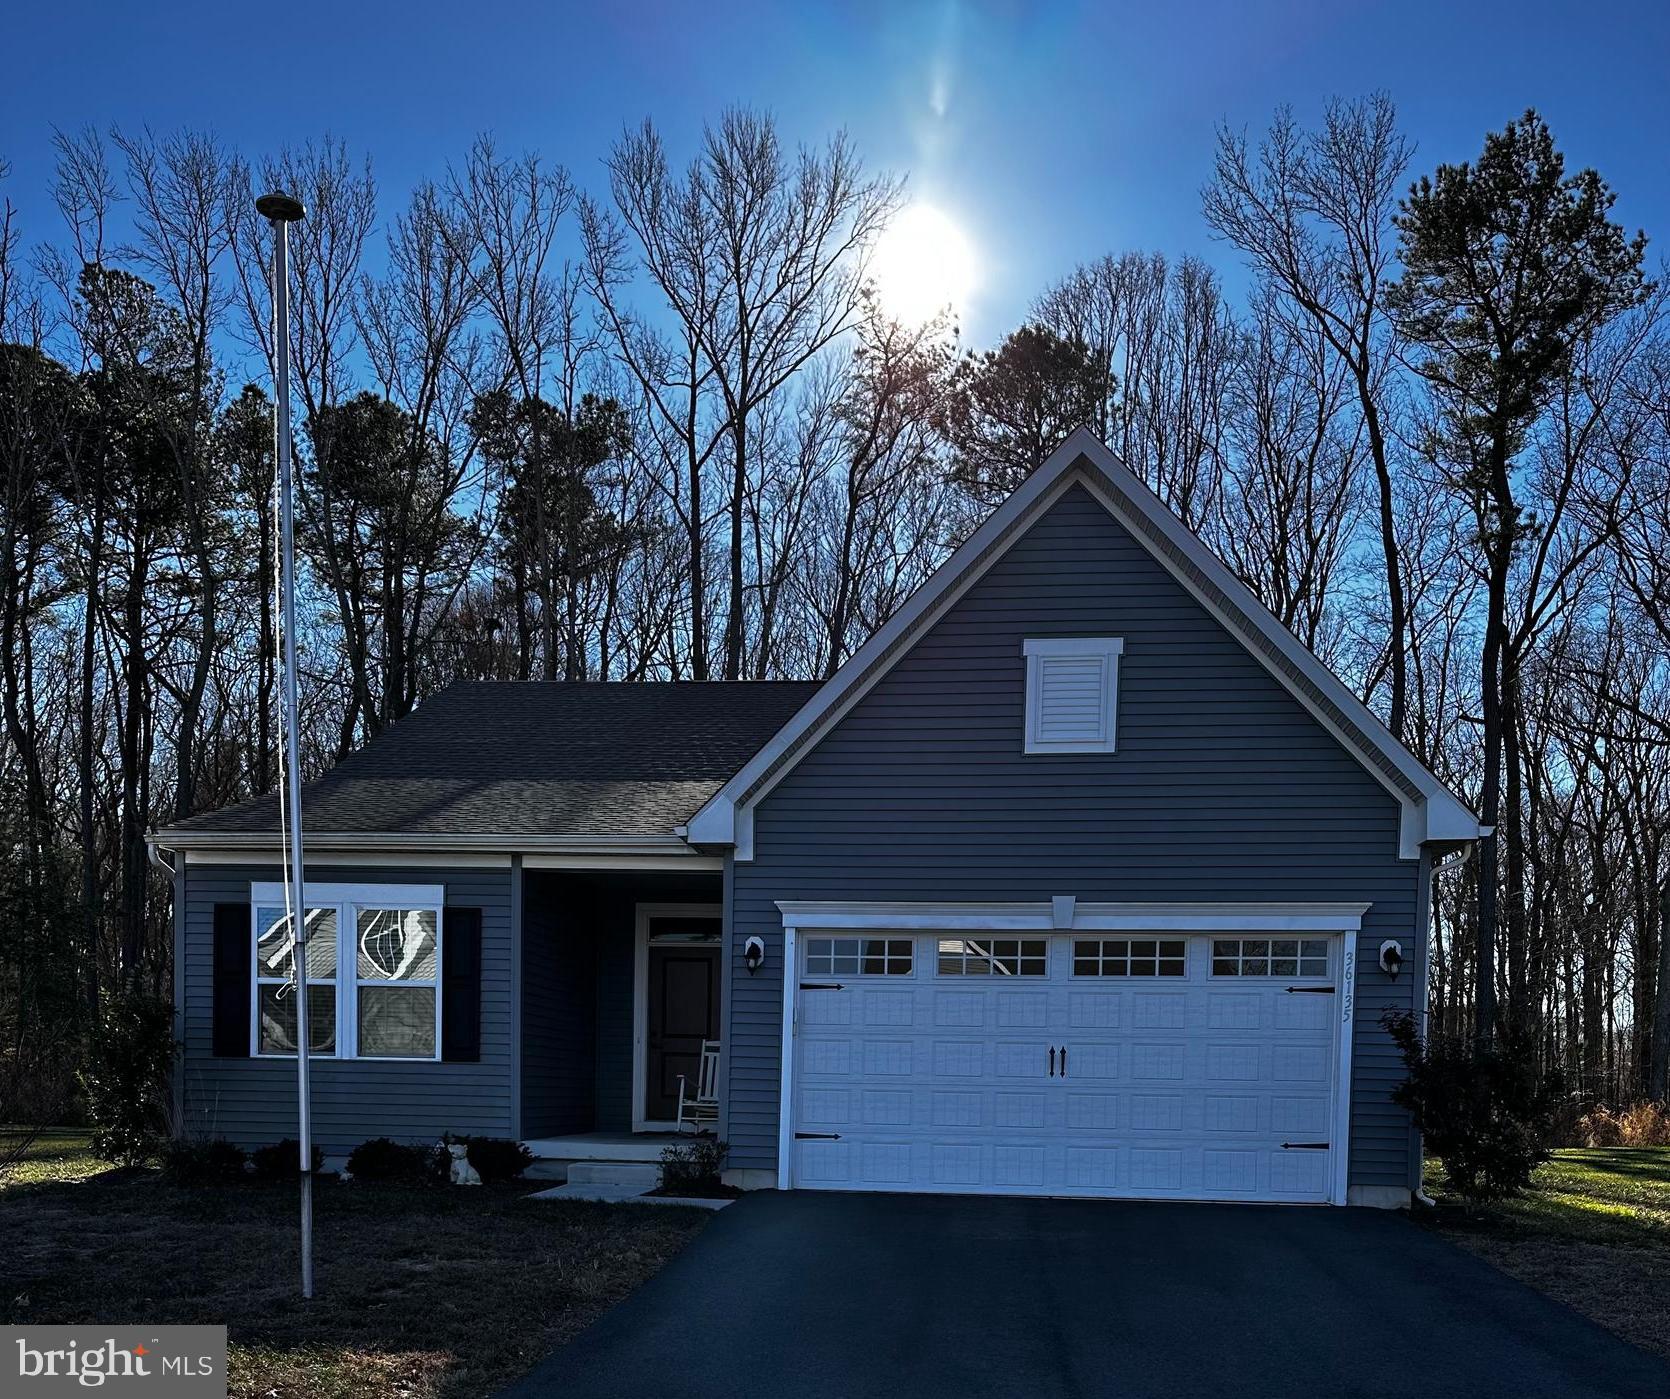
{"x": 508, "y": 842}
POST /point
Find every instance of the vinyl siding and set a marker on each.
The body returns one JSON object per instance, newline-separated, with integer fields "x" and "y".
{"x": 253, "y": 1101}
{"x": 1223, "y": 788}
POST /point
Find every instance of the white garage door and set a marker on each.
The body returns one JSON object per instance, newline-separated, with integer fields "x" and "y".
{"x": 1188, "y": 1067}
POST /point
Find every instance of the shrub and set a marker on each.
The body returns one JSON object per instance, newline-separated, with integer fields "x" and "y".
{"x": 1641, "y": 1124}
{"x": 495, "y": 1159}
{"x": 382, "y": 1159}
{"x": 1485, "y": 1114}
{"x": 282, "y": 1160}
{"x": 126, "y": 1078}
{"x": 214, "y": 1161}
{"x": 692, "y": 1168}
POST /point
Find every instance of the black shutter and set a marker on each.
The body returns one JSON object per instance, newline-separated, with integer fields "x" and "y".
{"x": 461, "y": 985}
{"x": 233, "y": 952}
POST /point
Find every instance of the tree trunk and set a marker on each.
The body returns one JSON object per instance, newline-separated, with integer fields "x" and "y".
{"x": 1397, "y": 622}
{"x": 132, "y": 818}
{"x": 693, "y": 528}
{"x": 734, "y": 610}
{"x": 90, "y": 909}
{"x": 1660, "y": 1074}
{"x": 1518, "y": 1017}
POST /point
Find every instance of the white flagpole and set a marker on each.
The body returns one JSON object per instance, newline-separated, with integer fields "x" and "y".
{"x": 281, "y": 210}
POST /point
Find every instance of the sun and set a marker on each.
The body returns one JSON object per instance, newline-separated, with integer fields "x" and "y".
{"x": 923, "y": 264}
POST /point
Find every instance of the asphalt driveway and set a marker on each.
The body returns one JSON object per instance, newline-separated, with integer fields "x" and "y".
{"x": 925, "y": 1296}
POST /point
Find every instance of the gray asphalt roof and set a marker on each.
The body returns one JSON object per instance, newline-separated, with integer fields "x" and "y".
{"x": 540, "y": 758}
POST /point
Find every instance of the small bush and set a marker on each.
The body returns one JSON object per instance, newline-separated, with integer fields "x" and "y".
{"x": 1642, "y": 1124}
{"x": 692, "y": 1168}
{"x": 282, "y": 1160}
{"x": 495, "y": 1159}
{"x": 385, "y": 1160}
{"x": 126, "y": 1078}
{"x": 1484, "y": 1114}
{"x": 197, "y": 1162}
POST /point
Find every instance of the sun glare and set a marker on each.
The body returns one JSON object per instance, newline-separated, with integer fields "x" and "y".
{"x": 923, "y": 265}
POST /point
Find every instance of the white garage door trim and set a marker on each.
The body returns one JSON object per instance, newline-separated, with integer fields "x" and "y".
{"x": 1066, "y": 915}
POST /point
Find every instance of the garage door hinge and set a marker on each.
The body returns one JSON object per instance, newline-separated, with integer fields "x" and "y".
{"x": 1304, "y": 1146}
{"x": 822, "y": 986}
{"x": 817, "y": 1136}
{"x": 1310, "y": 990}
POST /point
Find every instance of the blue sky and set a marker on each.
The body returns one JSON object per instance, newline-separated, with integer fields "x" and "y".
{"x": 1053, "y": 133}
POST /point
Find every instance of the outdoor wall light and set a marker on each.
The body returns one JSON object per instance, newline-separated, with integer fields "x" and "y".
{"x": 1391, "y": 957}
{"x": 753, "y": 954}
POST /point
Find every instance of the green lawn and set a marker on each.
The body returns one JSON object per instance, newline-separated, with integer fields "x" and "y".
{"x": 57, "y": 1154}
{"x": 1593, "y": 1231}
{"x": 1603, "y": 1194}
{"x": 422, "y": 1291}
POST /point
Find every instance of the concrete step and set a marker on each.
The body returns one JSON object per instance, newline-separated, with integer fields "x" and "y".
{"x": 638, "y": 1175}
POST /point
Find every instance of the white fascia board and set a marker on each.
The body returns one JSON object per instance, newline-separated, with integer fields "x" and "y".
{"x": 818, "y": 914}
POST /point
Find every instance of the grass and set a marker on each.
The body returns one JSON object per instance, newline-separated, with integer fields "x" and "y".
{"x": 420, "y": 1291}
{"x": 1593, "y": 1231}
{"x": 56, "y": 1154}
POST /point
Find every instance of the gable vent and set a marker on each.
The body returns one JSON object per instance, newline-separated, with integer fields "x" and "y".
{"x": 1072, "y": 689}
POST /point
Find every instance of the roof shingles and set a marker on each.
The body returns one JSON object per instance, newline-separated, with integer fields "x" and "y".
{"x": 549, "y": 758}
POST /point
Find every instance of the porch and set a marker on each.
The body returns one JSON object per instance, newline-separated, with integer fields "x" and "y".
{"x": 621, "y": 981}
{"x": 604, "y": 1146}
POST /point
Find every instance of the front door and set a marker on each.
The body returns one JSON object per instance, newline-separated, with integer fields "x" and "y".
{"x": 683, "y": 1010}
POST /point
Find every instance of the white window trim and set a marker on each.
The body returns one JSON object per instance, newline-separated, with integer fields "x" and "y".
{"x": 1107, "y": 649}
{"x": 347, "y": 900}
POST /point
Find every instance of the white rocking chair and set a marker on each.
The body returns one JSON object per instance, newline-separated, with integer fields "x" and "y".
{"x": 701, "y": 1108}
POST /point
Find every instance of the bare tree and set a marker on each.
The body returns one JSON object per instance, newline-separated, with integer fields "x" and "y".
{"x": 761, "y": 261}
{"x": 1291, "y": 499}
{"x": 1313, "y": 215}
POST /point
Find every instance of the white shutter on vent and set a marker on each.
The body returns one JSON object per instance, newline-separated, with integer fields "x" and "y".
{"x": 1072, "y": 690}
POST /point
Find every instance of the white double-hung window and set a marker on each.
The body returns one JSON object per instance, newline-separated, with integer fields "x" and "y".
{"x": 1072, "y": 693}
{"x": 373, "y": 971}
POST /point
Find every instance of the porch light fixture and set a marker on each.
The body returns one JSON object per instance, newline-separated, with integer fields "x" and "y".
{"x": 753, "y": 954}
{"x": 1391, "y": 957}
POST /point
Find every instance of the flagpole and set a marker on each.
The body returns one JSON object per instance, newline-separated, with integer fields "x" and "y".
{"x": 281, "y": 211}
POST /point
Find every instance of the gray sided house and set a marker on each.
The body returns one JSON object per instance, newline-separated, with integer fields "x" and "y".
{"x": 1082, "y": 877}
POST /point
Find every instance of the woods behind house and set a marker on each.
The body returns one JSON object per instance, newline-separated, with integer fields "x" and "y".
{"x": 658, "y": 425}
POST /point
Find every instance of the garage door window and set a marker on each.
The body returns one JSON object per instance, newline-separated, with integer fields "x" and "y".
{"x": 993, "y": 956}
{"x": 1270, "y": 957}
{"x": 858, "y": 956}
{"x": 1128, "y": 957}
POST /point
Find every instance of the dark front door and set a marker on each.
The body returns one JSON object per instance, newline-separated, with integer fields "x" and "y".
{"x": 683, "y": 1011}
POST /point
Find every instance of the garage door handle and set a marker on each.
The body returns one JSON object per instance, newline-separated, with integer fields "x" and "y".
{"x": 1052, "y": 1061}
{"x": 1064, "y": 1061}
{"x": 822, "y": 986}
{"x": 1304, "y": 1146}
{"x": 1310, "y": 990}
